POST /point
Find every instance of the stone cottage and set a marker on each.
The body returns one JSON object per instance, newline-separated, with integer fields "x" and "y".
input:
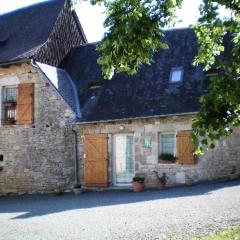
{"x": 129, "y": 123}
{"x": 62, "y": 123}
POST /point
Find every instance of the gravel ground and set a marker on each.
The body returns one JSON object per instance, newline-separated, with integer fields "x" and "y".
{"x": 178, "y": 212}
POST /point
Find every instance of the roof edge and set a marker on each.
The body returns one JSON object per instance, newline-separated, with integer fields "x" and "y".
{"x": 79, "y": 25}
{"x": 15, "y": 61}
{"x": 36, "y": 65}
{"x": 136, "y": 118}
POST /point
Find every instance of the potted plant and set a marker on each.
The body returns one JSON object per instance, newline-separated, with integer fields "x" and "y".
{"x": 138, "y": 184}
{"x": 162, "y": 181}
{"x": 77, "y": 189}
{"x": 10, "y": 121}
{"x": 166, "y": 158}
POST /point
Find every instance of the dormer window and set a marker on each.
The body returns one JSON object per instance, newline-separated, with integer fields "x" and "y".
{"x": 176, "y": 74}
{"x": 94, "y": 84}
{"x": 212, "y": 72}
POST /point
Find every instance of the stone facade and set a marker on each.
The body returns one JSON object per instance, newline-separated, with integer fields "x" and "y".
{"x": 221, "y": 162}
{"x": 37, "y": 157}
{"x": 41, "y": 157}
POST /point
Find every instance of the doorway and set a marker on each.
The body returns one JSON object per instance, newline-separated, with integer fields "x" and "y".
{"x": 123, "y": 159}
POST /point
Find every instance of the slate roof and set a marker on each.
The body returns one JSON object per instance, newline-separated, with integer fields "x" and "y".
{"x": 149, "y": 93}
{"x": 32, "y": 26}
{"x": 64, "y": 85}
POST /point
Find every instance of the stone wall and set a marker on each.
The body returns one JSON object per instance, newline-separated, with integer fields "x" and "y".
{"x": 37, "y": 157}
{"x": 221, "y": 162}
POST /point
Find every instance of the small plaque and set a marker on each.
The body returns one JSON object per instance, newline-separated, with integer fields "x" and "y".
{"x": 147, "y": 143}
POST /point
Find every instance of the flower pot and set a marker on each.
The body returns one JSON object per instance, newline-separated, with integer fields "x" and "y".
{"x": 161, "y": 185}
{"x": 77, "y": 191}
{"x": 189, "y": 182}
{"x": 9, "y": 122}
{"x": 138, "y": 187}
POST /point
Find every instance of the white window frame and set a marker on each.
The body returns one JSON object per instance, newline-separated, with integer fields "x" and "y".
{"x": 160, "y": 142}
{"x": 114, "y": 164}
{"x": 176, "y": 69}
{"x": 6, "y": 82}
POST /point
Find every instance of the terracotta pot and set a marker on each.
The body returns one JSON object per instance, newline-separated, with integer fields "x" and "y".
{"x": 161, "y": 185}
{"x": 77, "y": 191}
{"x": 138, "y": 187}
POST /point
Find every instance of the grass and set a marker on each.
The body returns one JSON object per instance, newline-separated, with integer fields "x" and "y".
{"x": 230, "y": 234}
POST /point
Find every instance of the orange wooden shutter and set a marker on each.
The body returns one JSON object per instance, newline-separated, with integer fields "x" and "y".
{"x": 25, "y": 103}
{"x": 96, "y": 162}
{"x": 185, "y": 149}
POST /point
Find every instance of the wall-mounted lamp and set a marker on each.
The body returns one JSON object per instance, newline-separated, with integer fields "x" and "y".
{"x": 121, "y": 128}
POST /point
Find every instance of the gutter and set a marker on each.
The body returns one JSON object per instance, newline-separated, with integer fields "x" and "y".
{"x": 135, "y": 118}
{"x": 15, "y": 61}
{"x": 77, "y": 178}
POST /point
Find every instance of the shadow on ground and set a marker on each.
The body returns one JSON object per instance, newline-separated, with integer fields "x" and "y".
{"x": 39, "y": 205}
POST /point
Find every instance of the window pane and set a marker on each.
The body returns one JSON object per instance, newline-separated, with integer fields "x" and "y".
{"x": 167, "y": 143}
{"x": 176, "y": 75}
{"x": 10, "y": 94}
{"x": 9, "y": 105}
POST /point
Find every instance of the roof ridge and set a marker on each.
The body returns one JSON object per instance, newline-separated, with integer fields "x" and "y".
{"x": 177, "y": 29}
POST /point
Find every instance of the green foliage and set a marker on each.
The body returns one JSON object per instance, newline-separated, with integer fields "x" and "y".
{"x": 138, "y": 179}
{"x": 163, "y": 177}
{"x": 231, "y": 234}
{"x": 167, "y": 156}
{"x": 134, "y": 33}
{"x": 220, "y": 107}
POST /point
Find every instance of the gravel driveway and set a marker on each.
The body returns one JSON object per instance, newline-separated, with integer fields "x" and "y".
{"x": 177, "y": 212}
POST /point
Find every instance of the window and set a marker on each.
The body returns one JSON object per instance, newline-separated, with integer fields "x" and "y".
{"x": 212, "y": 72}
{"x": 16, "y": 102}
{"x": 94, "y": 84}
{"x": 167, "y": 148}
{"x": 167, "y": 144}
{"x": 9, "y": 105}
{"x": 176, "y": 74}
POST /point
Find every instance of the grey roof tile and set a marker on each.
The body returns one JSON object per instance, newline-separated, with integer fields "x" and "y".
{"x": 24, "y": 30}
{"x": 148, "y": 93}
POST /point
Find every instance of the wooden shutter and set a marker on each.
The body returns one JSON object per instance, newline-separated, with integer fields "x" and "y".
{"x": 96, "y": 162}
{"x": 185, "y": 149}
{"x": 25, "y": 103}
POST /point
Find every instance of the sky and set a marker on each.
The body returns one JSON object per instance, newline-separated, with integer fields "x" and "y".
{"x": 92, "y": 17}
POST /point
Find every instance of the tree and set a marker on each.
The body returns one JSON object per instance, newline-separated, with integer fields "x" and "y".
{"x": 135, "y": 31}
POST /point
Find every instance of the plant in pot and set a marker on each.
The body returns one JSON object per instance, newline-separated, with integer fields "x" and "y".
{"x": 77, "y": 189}
{"x": 138, "y": 184}
{"x": 166, "y": 158}
{"x": 10, "y": 121}
{"x": 162, "y": 180}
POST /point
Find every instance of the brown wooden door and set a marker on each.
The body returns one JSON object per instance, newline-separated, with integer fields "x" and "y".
{"x": 96, "y": 162}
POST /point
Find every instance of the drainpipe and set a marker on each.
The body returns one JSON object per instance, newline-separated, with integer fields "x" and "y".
{"x": 77, "y": 181}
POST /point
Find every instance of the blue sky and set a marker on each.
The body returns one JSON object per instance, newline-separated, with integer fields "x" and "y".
{"x": 92, "y": 17}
